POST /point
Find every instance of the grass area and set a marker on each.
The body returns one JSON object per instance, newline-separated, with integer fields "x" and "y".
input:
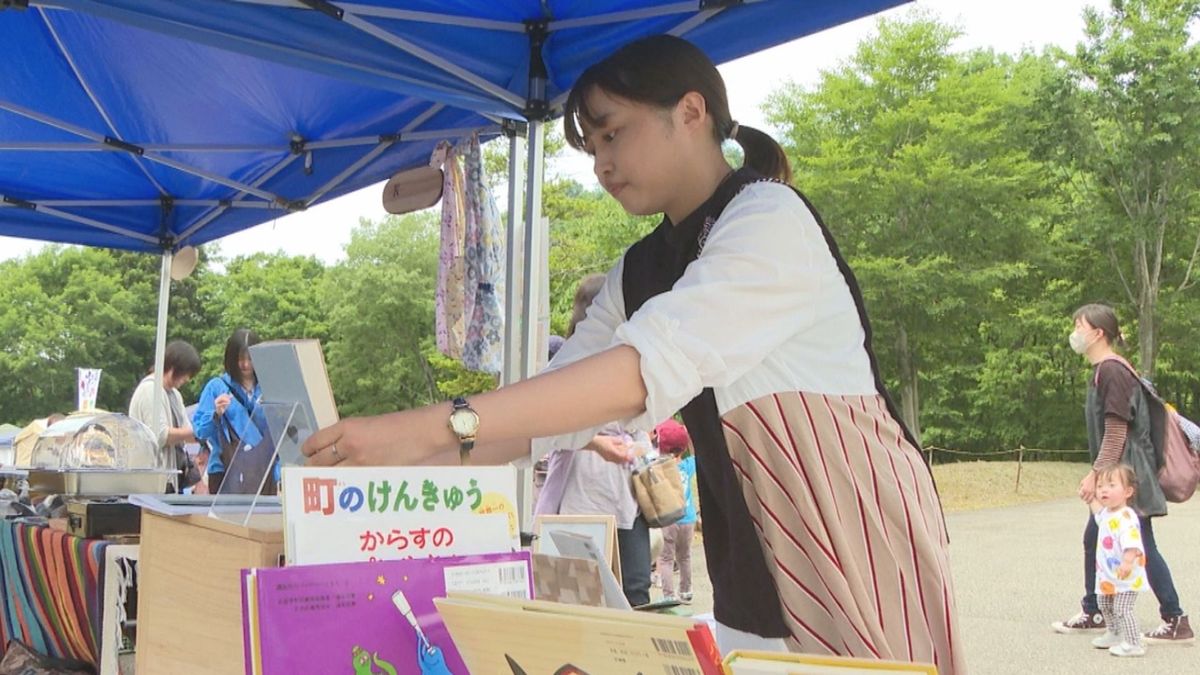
{"x": 964, "y": 486}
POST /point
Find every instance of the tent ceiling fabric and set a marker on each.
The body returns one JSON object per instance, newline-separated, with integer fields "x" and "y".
{"x": 143, "y": 124}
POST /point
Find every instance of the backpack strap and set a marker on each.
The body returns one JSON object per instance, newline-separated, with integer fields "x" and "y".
{"x": 236, "y": 392}
{"x": 1143, "y": 382}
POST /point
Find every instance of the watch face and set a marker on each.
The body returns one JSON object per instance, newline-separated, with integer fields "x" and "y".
{"x": 464, "y": 422}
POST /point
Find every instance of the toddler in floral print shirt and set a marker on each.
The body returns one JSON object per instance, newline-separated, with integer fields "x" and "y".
{"x": 1120, "y": 561}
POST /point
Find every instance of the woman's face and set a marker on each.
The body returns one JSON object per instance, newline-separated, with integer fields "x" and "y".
{"x": 245, "y": 367}
{"x": 173, "y": 381}
{"x": 1086, "y": 332}
{"x": 632, "y": 150}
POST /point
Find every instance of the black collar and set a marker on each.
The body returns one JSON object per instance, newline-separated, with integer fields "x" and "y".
{"x": 687, "y": 231}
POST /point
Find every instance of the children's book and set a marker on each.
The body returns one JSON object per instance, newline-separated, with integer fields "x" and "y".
{"x": 502, "y": 636}
{"x": 574, "y": 545}
{"x": 371, "y": 617}
{"x": 573, "y": 581}
{"x": 346, "y": 514}
{"x": 767, "y": 663}
{"x": 294, "y": 371}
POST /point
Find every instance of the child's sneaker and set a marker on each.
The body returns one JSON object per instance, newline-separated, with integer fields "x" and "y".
{"x": 685, "y": 598}
{"x": 1079, "y": 623}
{"x": 1175, "y": 631}
{"x": 1126, "y": 649}
{"x": 1109, "y": 639}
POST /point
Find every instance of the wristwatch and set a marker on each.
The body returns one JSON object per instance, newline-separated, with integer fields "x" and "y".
{"x": 464, "y": 422}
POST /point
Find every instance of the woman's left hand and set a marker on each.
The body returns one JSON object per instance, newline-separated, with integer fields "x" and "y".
{"x": 1087, "y": 487}
{"x": 612, "y": 448}
{"x": 380, "y": 440}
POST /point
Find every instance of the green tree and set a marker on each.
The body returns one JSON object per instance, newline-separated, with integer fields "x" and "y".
{"x": 914, "y": 155}
{"x": 275, "y": 295}
{"x": 381, "y": 312}
{"x": 1127, "y": 115}
{"x": 66, "y": 308}
{"x": 589, "y": 231}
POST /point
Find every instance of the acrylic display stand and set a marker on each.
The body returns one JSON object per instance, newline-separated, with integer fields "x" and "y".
{"x": 252, "y": 477}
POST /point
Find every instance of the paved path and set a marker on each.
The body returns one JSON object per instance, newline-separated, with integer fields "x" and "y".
{"x": 1019, "y": 568}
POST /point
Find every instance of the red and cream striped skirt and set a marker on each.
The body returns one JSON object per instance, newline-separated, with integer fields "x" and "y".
{"x": 851, "y": 526}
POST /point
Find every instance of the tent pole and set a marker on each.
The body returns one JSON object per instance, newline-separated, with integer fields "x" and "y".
{"x": 535, "y": 334}
{"x": 160, "y": 347}
{"x": 534, "y": 331}
{"x": 513, "y": 316}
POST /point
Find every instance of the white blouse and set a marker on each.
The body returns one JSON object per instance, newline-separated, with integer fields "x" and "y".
{"x": 762, "y": 310}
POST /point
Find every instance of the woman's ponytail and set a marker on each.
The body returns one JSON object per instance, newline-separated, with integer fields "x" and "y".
{"x": 763, "y": 154}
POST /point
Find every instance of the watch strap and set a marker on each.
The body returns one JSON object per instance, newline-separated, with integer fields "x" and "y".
{"x": 466, "y": 444}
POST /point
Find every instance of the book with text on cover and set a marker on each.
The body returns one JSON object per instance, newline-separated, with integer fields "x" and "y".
{"x": 345, "y": 514}
{"x": 507, "y": 636}
{"x": 370, "y": 617}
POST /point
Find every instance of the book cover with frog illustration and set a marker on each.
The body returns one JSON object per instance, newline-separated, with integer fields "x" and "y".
{"x": 366, "y": 618}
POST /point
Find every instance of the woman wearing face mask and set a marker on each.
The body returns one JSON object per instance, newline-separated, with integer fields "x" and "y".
{"x": 1118, "y": 425}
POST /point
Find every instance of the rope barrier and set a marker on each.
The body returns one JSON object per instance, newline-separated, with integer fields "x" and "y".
{"x": 1019, "y": 452}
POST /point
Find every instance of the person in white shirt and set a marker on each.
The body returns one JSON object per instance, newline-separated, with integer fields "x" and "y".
{"x": 181, "y": 362}
{"x": 823, "y": 531}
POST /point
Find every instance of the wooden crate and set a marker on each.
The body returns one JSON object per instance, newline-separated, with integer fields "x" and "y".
{"x": 189, "y": 590}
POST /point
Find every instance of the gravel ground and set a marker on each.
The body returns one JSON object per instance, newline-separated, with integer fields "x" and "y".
{"x": 1018, "y": 568}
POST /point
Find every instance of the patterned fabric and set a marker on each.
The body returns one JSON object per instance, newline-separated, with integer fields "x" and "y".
{"x": 851, "y": 526}
{"x": 485, "y": 260}
{"x": 451, "y": 282}
{"x": 1120, "y": 531}
{"x": 52, "y": 589}
{"x": 1119, "y": 617}
{"x": 1190, "y": 430}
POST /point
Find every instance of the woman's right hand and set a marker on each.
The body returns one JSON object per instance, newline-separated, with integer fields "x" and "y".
{"x": 221, "y": 403}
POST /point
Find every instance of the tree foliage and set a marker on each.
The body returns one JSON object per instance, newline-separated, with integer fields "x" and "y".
{"x": 980, "y": 198}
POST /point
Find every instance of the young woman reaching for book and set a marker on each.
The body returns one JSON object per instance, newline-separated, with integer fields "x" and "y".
{"x": 823, "y": 531}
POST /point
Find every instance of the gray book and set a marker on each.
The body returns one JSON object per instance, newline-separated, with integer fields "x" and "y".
{"x": 293, "y": 371}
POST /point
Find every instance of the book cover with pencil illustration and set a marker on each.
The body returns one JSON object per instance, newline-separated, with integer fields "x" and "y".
{"x": 374, "y": 618}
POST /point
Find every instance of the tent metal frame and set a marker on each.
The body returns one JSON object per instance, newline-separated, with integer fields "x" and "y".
{"x": 526, "y": 326}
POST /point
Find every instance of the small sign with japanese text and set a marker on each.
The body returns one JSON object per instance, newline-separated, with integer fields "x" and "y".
{"x": 390, "y": 513}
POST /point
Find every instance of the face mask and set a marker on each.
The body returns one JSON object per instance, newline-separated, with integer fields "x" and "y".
{"x": 1079, "y": 344}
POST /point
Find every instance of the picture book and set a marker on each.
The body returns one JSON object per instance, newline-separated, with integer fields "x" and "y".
{"x": 293, "y": 371}
{"x": 346, "y": 514}
{"x": 498, "y": 635}
{"x": 369, "y": 617}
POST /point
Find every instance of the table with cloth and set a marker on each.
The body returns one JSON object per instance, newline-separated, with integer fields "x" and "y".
{"x": 52, "y": 591}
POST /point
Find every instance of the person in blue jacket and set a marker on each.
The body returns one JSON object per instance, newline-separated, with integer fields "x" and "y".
{"x": 225, "y": 416}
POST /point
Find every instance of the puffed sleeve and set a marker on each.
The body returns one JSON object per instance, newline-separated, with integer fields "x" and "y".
{"x": 592, "y": 335}
{"x": 763, "y": 276}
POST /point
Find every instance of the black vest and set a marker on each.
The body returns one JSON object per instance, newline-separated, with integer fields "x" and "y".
{"x": 744, "y": 593}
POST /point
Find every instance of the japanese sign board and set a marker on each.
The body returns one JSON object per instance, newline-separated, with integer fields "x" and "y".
{"x": 336, "y": 514}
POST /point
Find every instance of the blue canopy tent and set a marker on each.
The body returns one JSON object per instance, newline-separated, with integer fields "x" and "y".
{"x": 155, "y": 124}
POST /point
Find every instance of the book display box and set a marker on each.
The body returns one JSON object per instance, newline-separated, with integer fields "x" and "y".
{"x": 190, "y": 599}
{"x": 190, "y": 592}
